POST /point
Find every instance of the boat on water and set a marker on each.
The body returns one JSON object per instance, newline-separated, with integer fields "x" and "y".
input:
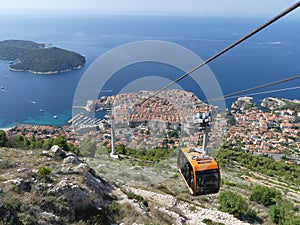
{"x": 2, "y": 88}
{"x": 41, "y": 110}
{"x": 55, "y": 116}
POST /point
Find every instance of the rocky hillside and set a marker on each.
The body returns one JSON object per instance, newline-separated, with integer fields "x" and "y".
{"x": 55, "y": 187}
{"x": 50, "y": 187}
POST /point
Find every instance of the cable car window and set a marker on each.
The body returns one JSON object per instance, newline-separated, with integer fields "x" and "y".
{"x": 207, "y": 182}
{"x": 186, "y": 170}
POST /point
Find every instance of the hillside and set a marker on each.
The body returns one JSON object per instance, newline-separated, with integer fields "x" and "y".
{"x": 55, "y": 187}
{"x": 39, "y": 58}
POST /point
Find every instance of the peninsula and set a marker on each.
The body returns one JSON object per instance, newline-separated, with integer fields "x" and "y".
{"x": 39, "y": 58}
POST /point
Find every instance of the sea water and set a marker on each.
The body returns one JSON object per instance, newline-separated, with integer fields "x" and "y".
{"x": 270, "y": 55}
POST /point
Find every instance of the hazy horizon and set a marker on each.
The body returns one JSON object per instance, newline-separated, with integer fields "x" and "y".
{"x": 166, "y": 8}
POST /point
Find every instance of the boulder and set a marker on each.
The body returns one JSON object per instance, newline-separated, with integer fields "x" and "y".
{"x": 71, "y": 159}
{"x": 58, "y": 152}
{"x": 77, "y": 197}
{"x": 21, "y": 184}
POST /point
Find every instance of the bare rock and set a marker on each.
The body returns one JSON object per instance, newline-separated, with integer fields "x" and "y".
{"x": 48, "y": 218}
{"x": 77, "y": 197}
{"x": 58, "y": 152}
{"x": 21, "y": 184}
{"x": 83, "y": 167}
{"x": 71, "y": 159}
{"x": 22, "y": 170}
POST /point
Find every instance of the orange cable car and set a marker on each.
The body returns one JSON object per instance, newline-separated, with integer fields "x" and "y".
{"x": 200, "y": 172}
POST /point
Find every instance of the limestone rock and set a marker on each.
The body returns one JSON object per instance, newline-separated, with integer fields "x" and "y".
{"x": 48, "y": 218}
{"x": 77, "y": 197}
{"x": 71, "y": 159}
{"x": 83, "y": 167}
{"x": 21, "y": 184}
{"x": 58, "y": 152}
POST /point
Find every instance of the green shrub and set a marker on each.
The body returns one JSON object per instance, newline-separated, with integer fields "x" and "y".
{"x": 283, "y": 213}
{"x": 233, "y": 203}
{"x": 3, "y": 139}
{"x": 230, "y": 184}
{"x": 92, "y": 215}
{"x": 132, "y": 195}
{"x": 113, "y": 208}
{"x": 44, "y": 171}
{"x": 88, "y": 147}
{"x": 261, "y": 164}
{"x": 145, "y": 203}
{"x": 210, "y": 222}
{"x": 164, "y": 189}
{"x": 264, "y": 195}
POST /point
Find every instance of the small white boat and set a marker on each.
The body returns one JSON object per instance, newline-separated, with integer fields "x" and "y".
{"x": 55, "y": 116}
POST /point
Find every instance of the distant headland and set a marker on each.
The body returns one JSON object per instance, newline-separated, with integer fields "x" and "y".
{"x": 39, "y": 58}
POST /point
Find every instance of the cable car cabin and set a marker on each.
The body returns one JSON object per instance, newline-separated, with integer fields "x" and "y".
{"x": 200, "y": 172}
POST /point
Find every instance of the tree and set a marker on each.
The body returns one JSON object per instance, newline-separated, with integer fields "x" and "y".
{"x": 16, "y": 142}
{"x": 283, "y": 213}
{"x": 264, "y": 195}
{"x": 61, "y": 141}
{"x": 173, "y": 133}
{"x": 73, "y": 148}
{"x": 3, "y": 139}
{"x": 121, "y": 149}
{"x": 47, "y": 144}
{"x": 233, "y": 203}
{"x": 88, "y": 147}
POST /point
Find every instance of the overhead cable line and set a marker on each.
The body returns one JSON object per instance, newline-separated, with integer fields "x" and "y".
{"x": 274, "y": 19}
{"x": 265, "y": 92}
{"x": 253, "y": 88}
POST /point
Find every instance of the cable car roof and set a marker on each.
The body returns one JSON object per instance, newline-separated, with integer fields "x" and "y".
{"x": 199, "y": 160}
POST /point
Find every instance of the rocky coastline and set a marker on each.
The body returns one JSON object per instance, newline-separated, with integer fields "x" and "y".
{"x": 47, "y": 72}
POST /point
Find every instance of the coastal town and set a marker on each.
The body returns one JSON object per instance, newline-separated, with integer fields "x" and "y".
{"x": 273, "y": 131}
{"x": 167, "y": 122}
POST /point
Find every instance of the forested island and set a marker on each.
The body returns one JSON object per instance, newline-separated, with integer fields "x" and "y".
{"x": 39, "y": 58}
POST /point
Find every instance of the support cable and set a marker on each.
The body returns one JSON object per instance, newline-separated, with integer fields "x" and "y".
{"x": 253, "y": 88}
{"x": 265, "y": 92}
{"x": 268, "y": 23}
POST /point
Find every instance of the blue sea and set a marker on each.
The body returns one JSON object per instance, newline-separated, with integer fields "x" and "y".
{"x": 270, "y": 55}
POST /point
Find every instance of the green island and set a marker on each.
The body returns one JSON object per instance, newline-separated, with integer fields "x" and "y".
{"x": 39, "y": 58}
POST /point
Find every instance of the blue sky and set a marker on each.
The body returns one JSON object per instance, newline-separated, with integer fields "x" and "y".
{"x": 153, "y": 7}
